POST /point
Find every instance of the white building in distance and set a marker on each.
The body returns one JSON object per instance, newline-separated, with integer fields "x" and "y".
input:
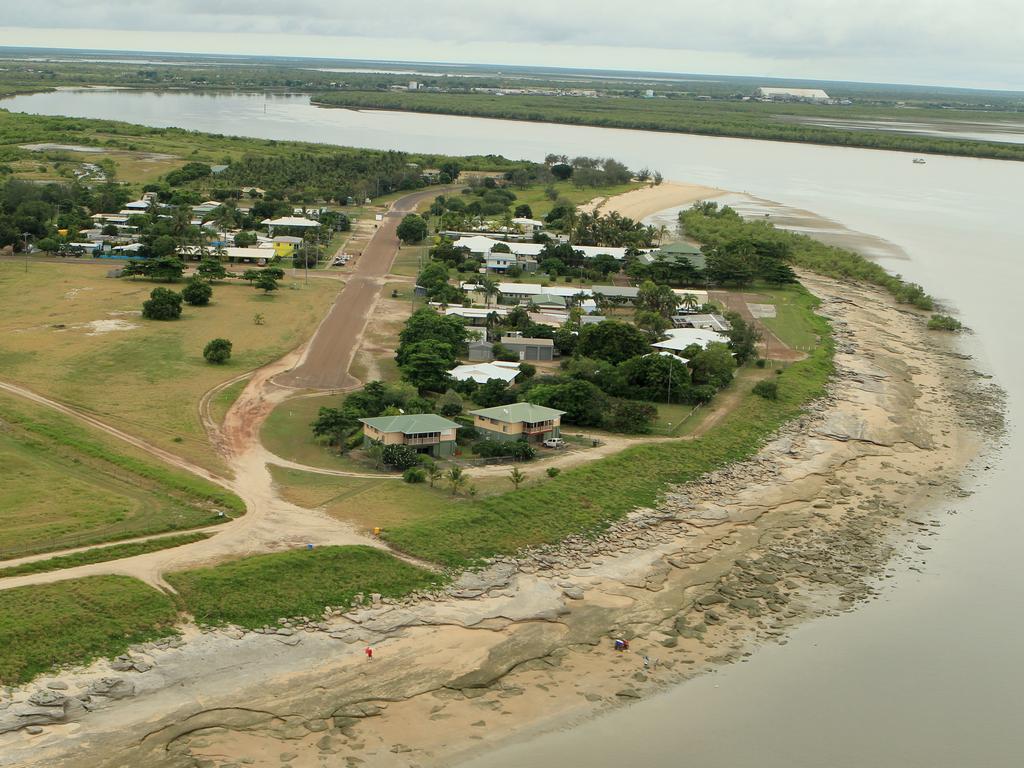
{"x": 792, "y": 94}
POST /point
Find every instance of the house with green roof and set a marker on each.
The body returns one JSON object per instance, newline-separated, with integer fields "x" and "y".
{"x": 674, "y": 252}
{"x": 518, "y": 421}
{"x": 426, "y": 432}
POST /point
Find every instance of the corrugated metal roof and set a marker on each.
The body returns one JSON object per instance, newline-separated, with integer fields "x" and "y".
{"x": 517, "y": 412}
{"x": 411, "y": 423}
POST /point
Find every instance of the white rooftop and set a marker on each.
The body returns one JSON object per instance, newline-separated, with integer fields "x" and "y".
{"x": 291, "y": 221}
{"x": 680, "y": 338}
{"x": 481, "y": 373}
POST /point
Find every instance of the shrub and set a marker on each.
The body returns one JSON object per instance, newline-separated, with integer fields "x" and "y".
{"x": 630, "y": 416}
{"x": 760, "y": 362}
{"x": 197, "y": 292}
{"x": 527, "y": 370}
{"x": 450, "y": 404}
{"x": 553, "y": 471}
{"x": 414, "y": 475}
{"x": 399, "y": 456}
{"x": 162, "y": 304}
{"x": 515, "y": 449}
{"x": 944, "y": 323}
{"x": 768, "y": 389}
{"x": 217, "y": 351}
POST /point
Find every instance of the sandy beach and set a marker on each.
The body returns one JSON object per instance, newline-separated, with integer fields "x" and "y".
{"x": 721, "y": 565}
{"x": 641, "y": 203}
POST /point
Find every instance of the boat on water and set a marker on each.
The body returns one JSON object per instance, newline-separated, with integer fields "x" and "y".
{"x": 919, "y": 161}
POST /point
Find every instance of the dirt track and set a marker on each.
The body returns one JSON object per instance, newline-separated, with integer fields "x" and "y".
{"x": 326, "y": 361}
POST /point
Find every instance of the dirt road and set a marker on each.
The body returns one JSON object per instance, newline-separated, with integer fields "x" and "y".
{"x": 326, "y": 361}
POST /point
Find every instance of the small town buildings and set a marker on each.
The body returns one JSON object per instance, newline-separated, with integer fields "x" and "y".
{"x": 709, "y": 322}
{"x": 481, "y": 373}
{"x": 528, "y": 226}
{"x": 299, "y": 222}
{"x": 476, "y": 316}
{"x": 425, "y": 432}
{"x": 675, "y": 252}
{"x": 681, "y": 338}
{"x": 518, "y": 421}
{"x": 260, "y": 255}
{"x": 529, "y": 349}
{"x": 285, "y": 245}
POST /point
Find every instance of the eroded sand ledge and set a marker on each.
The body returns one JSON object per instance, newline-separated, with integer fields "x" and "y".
{"x": 724, "y": 563}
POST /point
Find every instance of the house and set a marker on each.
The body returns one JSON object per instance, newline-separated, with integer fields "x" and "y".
{"x": 285, "y": 245}
{"x": 529, "y": 349}
{"x": 481, "y": 373}
{"x": 681, "y": 338}
{"x": 260, "y": 255}
{"x": 709, "y": 322}
{"x": 426, "y": 432}
{"x": 518, "y": 421}
{"x": 528, "y": 226}
{"x": 475, "y": 316}
{"x": 299, "y": 222}
{"x": 620, "y": 294}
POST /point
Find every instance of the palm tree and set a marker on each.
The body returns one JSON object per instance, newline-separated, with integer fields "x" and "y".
{"x": 516, "y": 476}
{"x": 456, "y": 478}
{"x": 489, "y": 287}
{"x": 435, "y": 473}
{"x": 662, "y": 233}
{"x": 689, "y": 301}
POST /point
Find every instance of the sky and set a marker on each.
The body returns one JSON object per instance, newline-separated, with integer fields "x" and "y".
{"x": 969, "y": 43}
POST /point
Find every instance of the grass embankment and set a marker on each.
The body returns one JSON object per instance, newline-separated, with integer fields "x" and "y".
{"x": 148, "y": 377}
{"x": 68, "y": 485}
{"x": 587, "y": 498}
{"x": 287, "y": 433}
{"x": 752, "y": 120}
{"x": 221, "y": 402}
{"x": 257, "y": 591}
{"x": 102, "y": 554}
{"x": 76, "y": 621}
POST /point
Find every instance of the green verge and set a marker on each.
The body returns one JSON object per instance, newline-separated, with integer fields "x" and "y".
{"x": 60, "y": 430}
{"x": 102, "y": 554}
{"x": 587, "y": 498}
{"x": 257, "y": 591}
{"x": 76, "y": 621}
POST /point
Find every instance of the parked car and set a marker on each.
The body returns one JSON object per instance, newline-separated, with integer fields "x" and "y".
{"x": 554, "y": 442}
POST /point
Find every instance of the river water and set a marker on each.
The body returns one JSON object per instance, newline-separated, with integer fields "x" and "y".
{"x": 930, "y": 674}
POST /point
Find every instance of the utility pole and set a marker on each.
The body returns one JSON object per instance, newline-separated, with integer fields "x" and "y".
{"x": 26, "y": 236}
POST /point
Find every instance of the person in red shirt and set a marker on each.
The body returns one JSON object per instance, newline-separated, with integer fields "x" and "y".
{"x": 369, "y": 653}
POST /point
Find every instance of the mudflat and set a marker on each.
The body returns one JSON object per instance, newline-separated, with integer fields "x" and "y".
{"x": 722, "y": 564}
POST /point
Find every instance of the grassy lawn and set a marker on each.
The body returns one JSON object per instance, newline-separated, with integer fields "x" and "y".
{"x": 287, "y": 433}
{"x": 587, "y": 497}
{"x": 66, "y": 485}
{"x": 408, "y": 260}
{"x": 256, "y": 591}
{"x": 791, "y": 322}
{"x": 102, "y": 554}
{"x": 672, "y": 418}
{"x": 223, "y": 400}
{"x": 76, "y": 621}
{"x": 146, "y": 379}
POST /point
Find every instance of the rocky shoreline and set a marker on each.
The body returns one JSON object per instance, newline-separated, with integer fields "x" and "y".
{"x": 806, "y": 527}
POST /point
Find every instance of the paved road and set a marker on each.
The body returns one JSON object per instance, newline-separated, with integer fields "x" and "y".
{"x": 325, "y": 364}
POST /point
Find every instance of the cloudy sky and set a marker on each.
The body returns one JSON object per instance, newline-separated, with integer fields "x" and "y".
{"x": 977, "y": 43}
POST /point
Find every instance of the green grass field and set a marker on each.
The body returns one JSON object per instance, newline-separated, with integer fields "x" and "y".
{"x": 147, "y": 379}
{"x": 256, "y": 591}
{"x": 76, "y": 621}
{"x": 102, "y": 554}
{"x": 67, "y": 485}
{"x": 792, "y": 322}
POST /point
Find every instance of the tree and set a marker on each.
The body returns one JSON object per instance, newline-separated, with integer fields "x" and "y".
{"x": 400, "y": 456}
{"x": 492, "y": 393}
{"x": 489, "y": 288}
{"x": 265, "y": 282}
{"x": 197, "y": 292}
{"x": 217, "y": 351}
{"x": 456, "y": 478}
{"x": 584, "y": 403}
{"x": 662, "y": 378}
{"x": 732, "y": 263}
{"x": 434, "y": 473}
{"x": 166, "y": 269}
{"x": 245, "y": 239}
{"x": 334, "y": 425}
{"x": 630, "y": 416}
{"x": 612, "y": 341}
{"x": 211, "y": 269}
{"x": 743, "y": 338}
{"x": 375, "y": 451}
{"x": 450, "y": 404}
{"x": 561, "y": 171}
{"x": 524, "y": 211}
{"x": 657, "y": 298}
{"x": 162, "y": 304}
{"x": 427, "y": 325}
{"x": 713, "y": 365}
{"x": 516, "y": 477}
{"x": 451, "y": 169}
{"x": 412, "y": 229}
{"x": 654, "y": 323}
{"x": 426, "y": 365}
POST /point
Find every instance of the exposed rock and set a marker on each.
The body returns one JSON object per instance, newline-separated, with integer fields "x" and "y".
{"x": 112, "y": 688}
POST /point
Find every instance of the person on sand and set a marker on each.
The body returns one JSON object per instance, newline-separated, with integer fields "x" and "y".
{"x": 619, "y": 645}
{"x": 369, "y": 653}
